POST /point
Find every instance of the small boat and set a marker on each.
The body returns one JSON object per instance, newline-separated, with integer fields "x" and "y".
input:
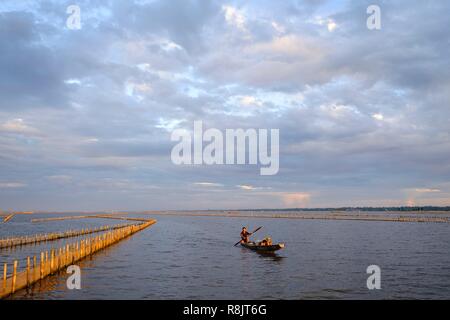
{"x": 7, "y": 218}
{"x": 257, "y": 247}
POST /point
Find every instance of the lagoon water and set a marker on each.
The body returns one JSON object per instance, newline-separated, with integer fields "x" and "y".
{"x": 194, "y": 258}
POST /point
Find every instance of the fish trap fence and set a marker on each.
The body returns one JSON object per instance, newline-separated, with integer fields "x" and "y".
{"x": 34, "y": 239}
{"x": 51, "y": 262}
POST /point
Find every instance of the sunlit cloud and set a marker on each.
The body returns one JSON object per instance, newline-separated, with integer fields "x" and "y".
{"x": 248, "y": 187}
{"x": 208, "y": 184}
{"x": 296, "y": 199}
{"x": 17, "y": 125}
{"x": 250, "y": 101}
{"x": 330, "y": 24}
{"x": 426, "y": 190}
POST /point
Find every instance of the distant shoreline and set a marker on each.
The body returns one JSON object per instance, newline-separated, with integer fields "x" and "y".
{"x": 411, "y": 210}
{"x": 389, "y": 216}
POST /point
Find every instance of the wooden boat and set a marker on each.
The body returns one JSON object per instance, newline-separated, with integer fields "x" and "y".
{"x": 257, "y": 247}
{"x": 7, "y": 218}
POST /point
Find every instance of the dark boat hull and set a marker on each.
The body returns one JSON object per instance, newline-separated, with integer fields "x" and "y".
{"x": 255, "y": 247}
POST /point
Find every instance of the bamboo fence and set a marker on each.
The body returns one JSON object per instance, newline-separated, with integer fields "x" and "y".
{"x": 34, "y": 239}
{"x": 55, "y": 260}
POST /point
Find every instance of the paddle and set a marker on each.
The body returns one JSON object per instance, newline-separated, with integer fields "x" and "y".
{"x": 251, "y": 233}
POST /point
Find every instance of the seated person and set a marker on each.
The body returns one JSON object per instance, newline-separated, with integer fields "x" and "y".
{"x": 266, "y": 242}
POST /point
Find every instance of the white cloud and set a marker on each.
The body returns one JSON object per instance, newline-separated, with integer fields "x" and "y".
{"x": 331, "y": 25}
{"x": 378, "y": 116}
{"x": 250, "y": 101}
{"x": 289, "y": 46}
{"x": 17, "y": 125}
{"x": 144, "y": 67}
{"x": 234, "y": 17}
{"x": 337, "y": 111}
{"x": 170, "y": 46}
{"x": 168, "y": 124}
{"x": 251, "y": 188}
{"x": 137, "y": 90}
{"x": 208, "y": 184}
{"x": 426, "y": 190}
{"x": 73, "y": 81}
{"x": 12, "y": 185}
{"x": 279, "y": 28}
{"x": 246, "y": 187}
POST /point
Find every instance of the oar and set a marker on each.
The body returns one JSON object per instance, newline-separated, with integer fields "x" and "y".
{"x": 251, "y": 233}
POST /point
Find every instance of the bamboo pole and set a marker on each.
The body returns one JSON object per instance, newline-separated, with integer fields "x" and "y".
{"x": 52, "y": 257}
{"x": 41, "y": 269}
{"x": 28, "y": 271}
{"x": 5, "y": 269}
{"x": 14, "y": 277}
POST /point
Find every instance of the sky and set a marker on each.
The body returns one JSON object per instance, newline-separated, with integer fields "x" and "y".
{"x": 86, "y": 114}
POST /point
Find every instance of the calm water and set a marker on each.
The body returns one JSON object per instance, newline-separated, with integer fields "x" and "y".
{"x": 194, "y": 258}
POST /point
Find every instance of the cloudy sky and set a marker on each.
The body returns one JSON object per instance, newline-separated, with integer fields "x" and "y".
{"x": 86, "y": 115}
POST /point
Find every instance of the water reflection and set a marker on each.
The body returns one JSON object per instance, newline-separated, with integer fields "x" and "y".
{"x": 266, "y": 255}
